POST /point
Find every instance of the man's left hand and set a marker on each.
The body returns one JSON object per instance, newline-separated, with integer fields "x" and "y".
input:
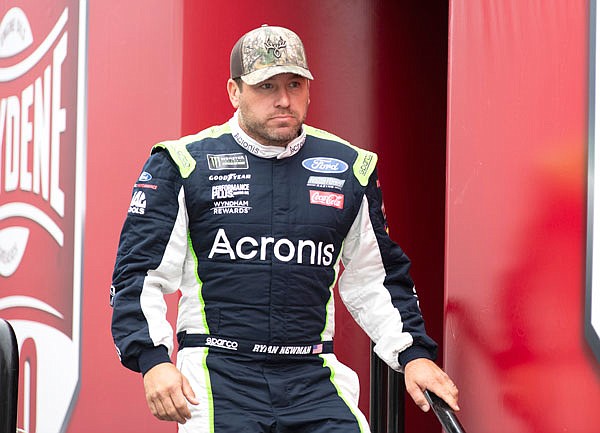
{"x": 421, "y": 374}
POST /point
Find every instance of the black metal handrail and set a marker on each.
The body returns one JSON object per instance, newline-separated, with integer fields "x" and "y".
{"x": 9, "y": 378}
{"x": 444, "y": 413}
{"x": 386, "y": 405}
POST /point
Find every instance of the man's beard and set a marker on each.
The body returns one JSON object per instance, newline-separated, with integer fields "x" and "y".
{"x": 268, "y": 135}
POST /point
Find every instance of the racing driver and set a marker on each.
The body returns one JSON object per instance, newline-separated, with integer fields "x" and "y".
{"x": 250, "y": 222}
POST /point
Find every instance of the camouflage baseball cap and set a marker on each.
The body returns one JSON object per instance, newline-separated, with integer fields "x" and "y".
{"x": 268, "y": 51}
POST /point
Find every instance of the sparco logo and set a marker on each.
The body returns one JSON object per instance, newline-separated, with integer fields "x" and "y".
{"x": 302, "y": 251}
{"x": 324, "y": 198}
{"x": 42, "y": 191}
{"x": 365, "y": 164}
{"x": 222, "y": 343}
{"x": 325, "y": 165}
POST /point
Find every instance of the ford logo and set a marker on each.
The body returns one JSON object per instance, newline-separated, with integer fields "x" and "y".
{"x": 145, "y": 177}
{"x": 325, "y": 165}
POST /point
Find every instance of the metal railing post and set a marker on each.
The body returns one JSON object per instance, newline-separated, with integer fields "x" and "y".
{"x": 386, "y": 409}
{"x": 395, "y": 411}
{"x": 9, "y": 378}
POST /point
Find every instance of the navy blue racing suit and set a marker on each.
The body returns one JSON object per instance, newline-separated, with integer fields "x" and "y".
{"x": 253, "y": 238}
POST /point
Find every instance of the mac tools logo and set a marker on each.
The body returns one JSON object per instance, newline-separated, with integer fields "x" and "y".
{"x": 42, "y": 187}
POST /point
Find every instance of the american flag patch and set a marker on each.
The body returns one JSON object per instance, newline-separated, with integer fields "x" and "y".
{"x": 317, "y": 348}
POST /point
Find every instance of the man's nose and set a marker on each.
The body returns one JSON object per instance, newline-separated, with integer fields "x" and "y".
{"x": 283, "y": 98}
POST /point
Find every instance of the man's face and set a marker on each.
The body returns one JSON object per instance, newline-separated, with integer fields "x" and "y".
{"x": 272, "y": 111}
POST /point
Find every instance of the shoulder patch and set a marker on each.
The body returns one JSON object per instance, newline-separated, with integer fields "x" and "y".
{"x": 364, "y": 165}
{"x": 180, "y": 155}
{"x": 365, "y": 161}
{"x": 319, "y": 133}
{"x": 178, "y": 148}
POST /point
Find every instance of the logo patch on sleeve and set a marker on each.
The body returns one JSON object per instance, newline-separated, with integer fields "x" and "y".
{"x": 325, "y": 198}
{"x": 229, "y": 161}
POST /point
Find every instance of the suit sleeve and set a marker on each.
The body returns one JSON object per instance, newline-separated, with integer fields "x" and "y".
{"x": 377, "y": 289}
{"x": 150, "y": 256}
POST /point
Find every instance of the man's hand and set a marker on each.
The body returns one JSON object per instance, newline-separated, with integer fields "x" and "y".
{"x": 167, "y": 393}
{"x": 421, "y": 374}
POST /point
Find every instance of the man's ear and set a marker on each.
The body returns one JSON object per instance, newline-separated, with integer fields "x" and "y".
{"x": 234, "y": 93}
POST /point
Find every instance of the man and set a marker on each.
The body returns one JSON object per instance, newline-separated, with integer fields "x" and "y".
{"x": 250, "y": 221}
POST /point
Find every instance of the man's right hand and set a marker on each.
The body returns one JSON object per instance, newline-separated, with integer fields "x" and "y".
{"x": 167, "y": 393}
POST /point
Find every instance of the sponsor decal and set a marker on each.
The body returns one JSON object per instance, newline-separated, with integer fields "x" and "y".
{"x": 138, "y": 203}
{"x": 326, "y": 198}
{"x": 221, "y": 343}
{"x": 275, "y": 47}
{"x": 288, "y": 350}
{"x": 42, "y": 193}
{"x": 325, "y": 165}
{"x": 325, "y": 182}
{"x": 230, "y": 190}
{"x": 250, "y": 147}
{"x": 363, "y": 170}
{"x": 229, "y": 177}
{"x": 145, "y": 185}
{"x": 145, "y": 177}
{"x": 295, "y": 146}
{"x": 302, "y": 251}
{"x": 230, "y": 207}
{"x": 231, "y": 161}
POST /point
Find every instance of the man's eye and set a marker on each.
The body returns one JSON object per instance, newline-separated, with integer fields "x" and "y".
{"x": 266, "y": 86}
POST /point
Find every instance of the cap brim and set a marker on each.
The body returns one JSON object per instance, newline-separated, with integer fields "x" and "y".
{"x": 261, "y": 75}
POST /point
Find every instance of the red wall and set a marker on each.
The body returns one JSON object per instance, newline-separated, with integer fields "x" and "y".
{"x": 134, "y": 100}
{"x": 515, "y": 252}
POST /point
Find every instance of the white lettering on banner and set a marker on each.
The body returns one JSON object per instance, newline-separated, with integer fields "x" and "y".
{"x": 20, "y": 135}
{"x": 284, "y": 250}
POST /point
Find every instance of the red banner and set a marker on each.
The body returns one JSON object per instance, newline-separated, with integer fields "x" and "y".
{"x": 42, "y": 149}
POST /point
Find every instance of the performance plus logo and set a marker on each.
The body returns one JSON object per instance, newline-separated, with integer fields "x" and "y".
{"x": 42, "y": 186}
{"x": 592, "y": 304}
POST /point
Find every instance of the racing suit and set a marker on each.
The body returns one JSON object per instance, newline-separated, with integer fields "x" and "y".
{"x": 253, "y": 237}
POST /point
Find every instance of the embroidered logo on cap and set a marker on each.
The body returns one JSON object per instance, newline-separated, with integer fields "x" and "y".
{"x": 275, "y": 47}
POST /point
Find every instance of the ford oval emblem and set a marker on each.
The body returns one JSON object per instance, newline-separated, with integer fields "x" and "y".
{"x": 145, "y": 177}
{"x": 325, "y": 165}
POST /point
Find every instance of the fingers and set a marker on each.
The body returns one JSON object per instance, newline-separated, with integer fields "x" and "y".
{"x": 188, "y": 392}
{"x": 422, "y": 374}
{"x": 169, "y": 404}
{"x": 419, "y": 398}
{"x": 165, "y": 394}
